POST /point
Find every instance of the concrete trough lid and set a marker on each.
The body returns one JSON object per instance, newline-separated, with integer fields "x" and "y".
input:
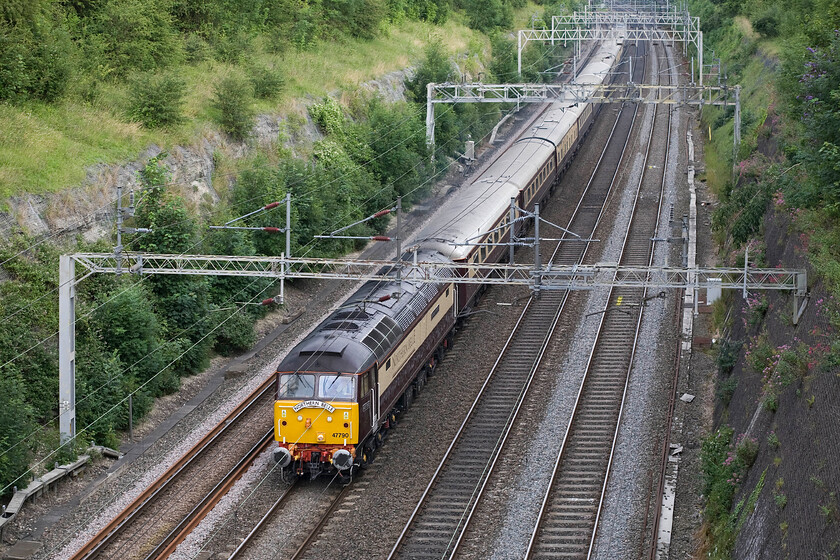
{"x": 106, "y": 451}
{"x": 53, "y": 475}
{"x": 687, "y": 398}
{"x": 23, "y": 550}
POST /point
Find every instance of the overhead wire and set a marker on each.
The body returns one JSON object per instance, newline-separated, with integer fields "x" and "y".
{"x": 175, "y": 336}
{"x": 421, "y": 185}
{"x": 139, "y": 387}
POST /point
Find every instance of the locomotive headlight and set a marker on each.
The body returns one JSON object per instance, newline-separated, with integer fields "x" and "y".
{"x": 321, "y": 437}
{"x": 300, "y": 418}
{"x": 329, "y": 418}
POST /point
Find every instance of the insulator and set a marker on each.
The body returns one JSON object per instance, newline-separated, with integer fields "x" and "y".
{"x": 384, "y": 298}
{"x": 380, "y": 238}
{"x": 271, "y": 229}
{"x": 270, "y": 206}
{"x": 268, "y": 301}
{"x": 382, "y": 213}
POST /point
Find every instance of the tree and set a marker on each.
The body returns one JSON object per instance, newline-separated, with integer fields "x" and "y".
{"x": 157, "y": 100}
{"x": 181, "y": 299}
{"x": 234, "y": 104}
{"x": 814, "y": 85}
{"x": 435, "y": 68}
{"x": 137, "y": 35}
{"x": 15, "y": 424}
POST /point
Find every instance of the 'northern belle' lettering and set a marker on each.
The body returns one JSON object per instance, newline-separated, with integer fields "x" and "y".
{"x": 314, "y": 404}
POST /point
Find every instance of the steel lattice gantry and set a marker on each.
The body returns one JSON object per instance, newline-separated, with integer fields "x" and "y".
{"x": 685, "y": 94}
{"x": 600, "y": 25}
{"x": 580, "y": 277}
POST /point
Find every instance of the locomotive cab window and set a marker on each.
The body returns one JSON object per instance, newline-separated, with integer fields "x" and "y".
{"x": 337, "y": 387}
{"x": 365, "y": 383}
{"x": 296, "y": 386}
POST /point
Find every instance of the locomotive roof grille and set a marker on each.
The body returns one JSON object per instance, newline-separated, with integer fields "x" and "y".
{"x": 356, "y": 314}
{"x": 341, "y": 326}
{"x": 337, "y": 354}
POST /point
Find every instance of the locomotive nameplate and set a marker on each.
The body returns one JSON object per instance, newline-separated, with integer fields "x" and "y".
{"x": 314, "y": 404}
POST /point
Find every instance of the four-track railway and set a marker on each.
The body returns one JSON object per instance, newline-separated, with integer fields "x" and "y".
{"x": 568, "y": 517}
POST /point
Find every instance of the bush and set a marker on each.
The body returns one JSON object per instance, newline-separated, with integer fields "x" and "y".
{"x": 726, "y": 389}
{"x": 267, "y": 81}
{"x": 358, "y": 18}
{"x": 728, "y": 351}
{"x": 233, "y": 101}
{"x": 137, "y": 35}
{"x": 157, "y": 100}
{"x": 232, "y": 48}
{"x": 489, "y": 15}
{"x": 196, "y": 48}
{"x": 328, "y": 115}
{"x": 435, "y": 68}
{"x": 15, "y": 423}
{"x": 236, "y": 334}
{"x": 33, "y": 63}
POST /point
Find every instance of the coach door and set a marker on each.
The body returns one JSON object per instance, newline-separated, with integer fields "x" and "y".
{"x": 374, "y": 398}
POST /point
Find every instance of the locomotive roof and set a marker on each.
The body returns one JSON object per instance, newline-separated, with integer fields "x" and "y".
{"x": 480, "y": 203}
{"x": 363, "y": 330}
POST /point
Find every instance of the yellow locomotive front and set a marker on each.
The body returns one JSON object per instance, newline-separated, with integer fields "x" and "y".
{"x": 316, "y": 422}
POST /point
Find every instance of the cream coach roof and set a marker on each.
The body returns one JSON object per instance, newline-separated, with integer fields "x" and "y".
{"x": 478, "y": 205}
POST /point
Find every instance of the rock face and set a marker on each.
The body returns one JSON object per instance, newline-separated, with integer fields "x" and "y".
{"x": 88, "y": 210}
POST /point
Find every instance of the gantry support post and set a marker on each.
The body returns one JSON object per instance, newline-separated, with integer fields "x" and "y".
{"x": 800, "y": 296}
{"x": 700, "y": 56}
{"x": 67, "y": 347}
{"x": 430, "y": 116}
{"x": 737, "y": 131}
{"x": 537, "y": 261}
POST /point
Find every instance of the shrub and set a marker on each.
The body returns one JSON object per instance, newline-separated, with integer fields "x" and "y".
{"x": 137, "y": 35}
{"x": 196, "y": 48}
{"x": 328, "y": 115}
{"x": 157, "y": 100}
{"x": 33, "y": 63}
{"x": 233, "y": 102}
{"x": 746, "y": 450}
{"x": 15, "y": 422}
{"x": 728, "y": 351}
{"x": 235, "y": 334}
{"x": 489, "y": 15}
{"x": 435, "y": 68}
{"x": 232, "y": 48}
{"x": 726, "y": 389}
{"x": 267, "y": 81}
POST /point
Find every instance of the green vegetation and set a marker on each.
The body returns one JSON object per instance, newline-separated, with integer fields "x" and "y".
{"x": 725, "y": 464}
{"x": 89, "y": 86}
{"x": 786, "y": 171}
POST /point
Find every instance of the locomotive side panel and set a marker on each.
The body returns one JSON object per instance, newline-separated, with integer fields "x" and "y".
{"x": 416, "y": 348}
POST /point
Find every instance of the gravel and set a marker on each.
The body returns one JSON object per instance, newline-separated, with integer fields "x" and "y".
{"x": 383, "y": 497}
{"x": 107, "y": 495}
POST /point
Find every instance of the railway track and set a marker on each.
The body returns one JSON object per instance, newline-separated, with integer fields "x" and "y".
{"x": 162, "y": 515}
{"x": 568, "y": 520}
{"x": 444, "y": 511}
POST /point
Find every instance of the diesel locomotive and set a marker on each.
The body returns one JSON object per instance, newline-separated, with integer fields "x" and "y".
{"x": 340, "y": 389}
